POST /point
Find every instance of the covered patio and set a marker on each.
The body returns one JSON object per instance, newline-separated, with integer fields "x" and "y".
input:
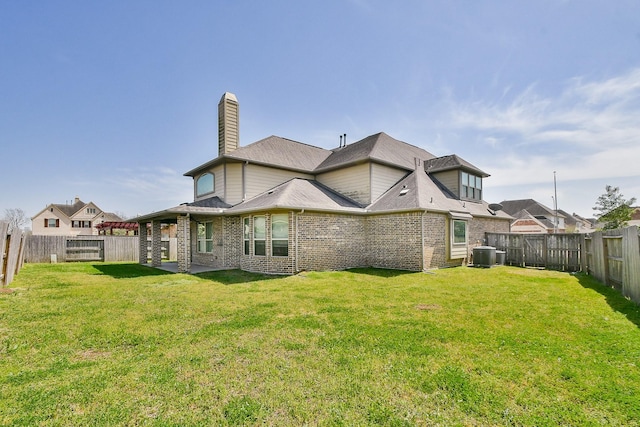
{"x": 182, "y": 216}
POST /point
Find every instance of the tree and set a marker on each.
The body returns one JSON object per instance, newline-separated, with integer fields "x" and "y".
{"x": 612, "y": 209}
{"x": 16, "y": 218}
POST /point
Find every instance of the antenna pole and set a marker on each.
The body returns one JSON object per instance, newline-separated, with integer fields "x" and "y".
{"x": 555, "y": 202}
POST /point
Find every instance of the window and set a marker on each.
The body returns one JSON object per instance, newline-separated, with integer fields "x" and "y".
{"x": 459, "y": 231}
{"x": 259, "y": 235}
{"x": 205, "y": 184}
{"x": 280, "y": 235}
{"x": 246, "y": 235}
{"x": 205, "y": 237}
{"x": 91, "y": 210}
{"x": 51, "y": 222}
{"x": 470, "y": 186}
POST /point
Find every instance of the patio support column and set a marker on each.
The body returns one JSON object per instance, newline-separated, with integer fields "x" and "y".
{"x": 183, "y": 233}
{"x": 156, "y": 244}
{"x": 143, "y": 253}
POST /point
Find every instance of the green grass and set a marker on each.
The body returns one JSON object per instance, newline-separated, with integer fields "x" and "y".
{"x": 121, "y": 344}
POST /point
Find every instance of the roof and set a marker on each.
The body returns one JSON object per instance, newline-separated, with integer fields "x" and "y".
{"x": 452, "y": 161}
{"x": 288, "y": 154}
{"x": 534, "y": 208}
{"x": 211, "y": 202}
{"x": 379, "y": 148}
{"x": 298, "y": 194}
{"x": 418, "y": 191}
{"x": 273, "y": 151}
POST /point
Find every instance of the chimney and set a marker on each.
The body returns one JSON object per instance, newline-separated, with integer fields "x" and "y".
{"x": 228, "y": 124}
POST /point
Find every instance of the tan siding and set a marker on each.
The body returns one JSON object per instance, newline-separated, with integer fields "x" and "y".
{"x": 233, "y": 192}
{"x": 353, "y": 182}
{"x": 383, "y": 178}
{"x": 450, "y": 179}
{"x": 261, "y": 178}
{"x": 218, "y": 189}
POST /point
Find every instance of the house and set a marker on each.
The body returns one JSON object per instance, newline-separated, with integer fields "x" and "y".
{"x": 282, "y": 206}
{"x": 575, "y": 223}
{"x": 78, "y": 218}
{"x": 635, "y": 216}
{"x": 531, "y": 216}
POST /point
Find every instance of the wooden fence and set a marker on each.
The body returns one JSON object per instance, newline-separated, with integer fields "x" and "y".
{"x": 39, "y": 249}
{"x": 553, "y": 251}
{"x": 612, "y": 256}
{"x": 11, "y": 251}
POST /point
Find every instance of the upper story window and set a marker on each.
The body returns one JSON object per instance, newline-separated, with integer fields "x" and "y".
{"x": 91, "y": 210}
{"x": 205, "y": 184}
{"x": 470, "y": 186}
{"x": 51, "y": 222}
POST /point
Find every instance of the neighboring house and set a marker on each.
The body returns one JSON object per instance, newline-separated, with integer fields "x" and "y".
{"x": 533, "y": 217}
{"x": 281, "y": 206}
{"x": 74, "y": 219}
{"x": 635, "y": 216}
{"x": 574, "y": 223}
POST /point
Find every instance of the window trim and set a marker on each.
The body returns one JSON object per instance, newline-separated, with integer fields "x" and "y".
{"x": 455, "y": 221}
{"x": 206, "y": 191}
{"x": 468, "y": 191}
{"x": 256, "y": 220}
{"x": 276, "y": 219}
{"x": 246, "y": 235}
{"x": 203, "y": 240}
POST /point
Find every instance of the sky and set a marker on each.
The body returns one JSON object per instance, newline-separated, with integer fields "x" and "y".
{"x": 113, "y": 102}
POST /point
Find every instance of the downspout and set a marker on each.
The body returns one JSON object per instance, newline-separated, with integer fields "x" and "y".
{"x": 296, "y": 239}
{"x": 422, "y": 238}
{"x": 244, "y": 180}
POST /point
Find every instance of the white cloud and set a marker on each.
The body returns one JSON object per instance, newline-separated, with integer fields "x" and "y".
{"x": 589, "y": 130}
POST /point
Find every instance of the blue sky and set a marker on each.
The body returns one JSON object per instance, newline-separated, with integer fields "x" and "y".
{"x": 114, "y": 101}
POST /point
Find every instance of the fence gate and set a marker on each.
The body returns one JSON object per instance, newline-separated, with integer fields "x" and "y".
{"x": 85, "y": 250}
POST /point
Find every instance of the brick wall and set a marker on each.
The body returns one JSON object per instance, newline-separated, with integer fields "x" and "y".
{"x": 435, "y": 241}
{"x": 331, "y": 242}
{"x": 412, "y": 241}
{"x": 395, "y": 241}
{"x": 267, "y": 263}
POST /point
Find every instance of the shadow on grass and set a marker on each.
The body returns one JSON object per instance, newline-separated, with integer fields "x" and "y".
{"x": 127, "y": 271}
{"x": 380, "y": 272}
{"x": 231, "y": 277}
{"x": 614, "y": 298}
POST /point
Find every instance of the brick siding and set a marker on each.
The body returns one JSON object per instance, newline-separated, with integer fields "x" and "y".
{"x": 413, "y": 241}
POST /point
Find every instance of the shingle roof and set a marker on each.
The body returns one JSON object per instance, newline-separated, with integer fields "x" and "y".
{"x": 417, "y": 191}
{"x": 274, "y": 151}
{"x": 380, "y": 148}
{"x": 530, "y": 205}
{"x": 298, "y": 193}
{"x": 69, "y": 210}
{"x": 449, "y": 162}
{"x": 211, "y": 202}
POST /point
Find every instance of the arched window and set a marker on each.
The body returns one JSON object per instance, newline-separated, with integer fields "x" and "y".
{"x": 205, "y": 184}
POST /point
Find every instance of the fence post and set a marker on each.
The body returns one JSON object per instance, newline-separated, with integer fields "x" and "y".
{"x": 631, "y": 263}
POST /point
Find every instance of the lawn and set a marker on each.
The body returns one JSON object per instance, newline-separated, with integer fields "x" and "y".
{"x": 122, "y": 344}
